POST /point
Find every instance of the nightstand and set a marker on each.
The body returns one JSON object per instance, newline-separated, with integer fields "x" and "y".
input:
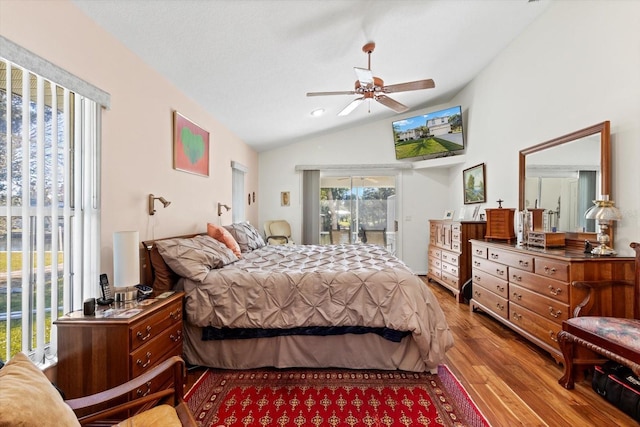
{"x": 102, "y": 351}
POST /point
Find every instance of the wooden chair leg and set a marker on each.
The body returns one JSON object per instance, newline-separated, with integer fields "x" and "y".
{"x": 567, "y": 345}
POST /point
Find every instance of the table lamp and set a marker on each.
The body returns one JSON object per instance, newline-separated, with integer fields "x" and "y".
{"x": 604, "y": 212}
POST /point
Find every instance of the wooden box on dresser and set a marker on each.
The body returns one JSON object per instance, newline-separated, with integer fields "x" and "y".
{"x": 450, "y": 252}
{"x": 529, "y": 289}
{"x": 96, "y": 352}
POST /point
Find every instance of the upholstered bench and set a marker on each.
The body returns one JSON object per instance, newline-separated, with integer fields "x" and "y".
{"x": 613, "y": 338}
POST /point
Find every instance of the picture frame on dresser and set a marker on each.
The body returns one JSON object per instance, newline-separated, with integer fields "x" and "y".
{"x": 473, "y": 182}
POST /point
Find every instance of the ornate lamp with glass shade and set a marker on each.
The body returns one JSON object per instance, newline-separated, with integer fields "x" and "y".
{"x": 604, "y": 212}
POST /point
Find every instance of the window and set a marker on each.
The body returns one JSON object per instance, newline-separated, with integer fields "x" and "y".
{"x": 49, "y": 206}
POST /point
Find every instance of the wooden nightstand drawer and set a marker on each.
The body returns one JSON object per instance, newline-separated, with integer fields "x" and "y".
{"x": 156, "y": 350}
{"x": 150, "y": 327}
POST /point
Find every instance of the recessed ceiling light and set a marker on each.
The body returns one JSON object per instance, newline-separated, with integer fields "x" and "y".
{"x": 318, "y": 112}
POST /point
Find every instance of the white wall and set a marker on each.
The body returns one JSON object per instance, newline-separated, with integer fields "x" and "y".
{"x": 137, "y": 130}
{"x": 577, "y": 65}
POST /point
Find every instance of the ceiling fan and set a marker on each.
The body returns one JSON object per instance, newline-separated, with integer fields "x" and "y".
{"x": 371, "y": 87}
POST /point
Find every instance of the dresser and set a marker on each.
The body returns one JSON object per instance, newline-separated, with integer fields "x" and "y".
{"x": 449, "y": 254}
{"x": 102, "y": 351}
{"x": 529, "y": 289}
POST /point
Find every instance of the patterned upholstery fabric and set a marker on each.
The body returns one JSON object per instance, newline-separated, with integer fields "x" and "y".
{"x": 614, "y": 329}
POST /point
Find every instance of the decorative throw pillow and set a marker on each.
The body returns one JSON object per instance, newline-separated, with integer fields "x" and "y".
{"x": 193, "y": 258}
{"x": 27, "y": 397}
{"x": 254, "y": 238}
{"x": 222, "y": 235}
{"x": 246, "y": 235}
{"x": 164, "y": 279}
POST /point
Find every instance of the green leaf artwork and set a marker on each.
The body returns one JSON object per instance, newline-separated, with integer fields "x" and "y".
{"x": 192, "y": 145}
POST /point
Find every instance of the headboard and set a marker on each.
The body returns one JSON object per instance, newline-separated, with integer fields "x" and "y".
{"x": 154, "y": 271}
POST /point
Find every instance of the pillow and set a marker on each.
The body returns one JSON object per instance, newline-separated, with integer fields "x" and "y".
{"x": 222, "y": 235}
{"x": 246, "y": 235}
{"x": 193, "y": 258}
{"x": 29, "y": 399}
{"x": 164, "y": 278}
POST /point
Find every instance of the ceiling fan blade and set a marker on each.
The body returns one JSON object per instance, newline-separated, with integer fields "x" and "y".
{"x": 403, "y": 87}
{"x": 343, "y": 92}
{"x": 365, "y": 76}
{"x": 391, "y": 103}
{"x": 352, "y": 106}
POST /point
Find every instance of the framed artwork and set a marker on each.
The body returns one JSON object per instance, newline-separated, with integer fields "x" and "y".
{"x": 448, "y": 214}
{"x": 474, "y": 188}
{"x": 190, "y": 146}
{"x": 284, "y": 198}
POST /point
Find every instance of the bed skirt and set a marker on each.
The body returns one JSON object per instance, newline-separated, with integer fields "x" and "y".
{"x": 350, "y": 351}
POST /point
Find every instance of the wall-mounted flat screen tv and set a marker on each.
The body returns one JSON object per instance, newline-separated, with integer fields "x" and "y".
{"x": 431, "y": 135}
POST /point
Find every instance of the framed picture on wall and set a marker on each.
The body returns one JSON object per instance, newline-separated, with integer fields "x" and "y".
{"x": 473, "y": 180}
{"x": 190, "y": 146}
{"x": 284, "y": 198}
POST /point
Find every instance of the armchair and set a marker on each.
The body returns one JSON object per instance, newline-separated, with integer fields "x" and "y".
{"x": 588, "y": 340}
{"x": 28, "y": 398}
{"x": 277, "y": 232}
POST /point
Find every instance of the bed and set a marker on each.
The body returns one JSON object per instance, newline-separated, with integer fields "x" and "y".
{"x": 344, "y": 306}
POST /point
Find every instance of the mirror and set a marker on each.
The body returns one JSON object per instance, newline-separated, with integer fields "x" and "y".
{"x": 564, "y": 175}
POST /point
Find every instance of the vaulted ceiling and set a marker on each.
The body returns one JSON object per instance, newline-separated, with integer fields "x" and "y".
{"x": 250, "y": 63}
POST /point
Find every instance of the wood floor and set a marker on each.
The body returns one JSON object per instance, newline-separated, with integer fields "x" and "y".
{"x": 512, "y": 381}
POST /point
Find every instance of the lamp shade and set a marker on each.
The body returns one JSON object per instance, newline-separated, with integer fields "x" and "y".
{"x": 603, "y": 210}
{"x": 126, "y": 258}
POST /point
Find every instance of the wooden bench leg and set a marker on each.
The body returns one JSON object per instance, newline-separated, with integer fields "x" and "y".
{"x": 567, "y": 344}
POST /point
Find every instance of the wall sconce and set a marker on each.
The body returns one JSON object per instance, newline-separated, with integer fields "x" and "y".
{"x": 220, "y": 206}
{"x": 164, "y": 202}
{"x": 604, "y": 212}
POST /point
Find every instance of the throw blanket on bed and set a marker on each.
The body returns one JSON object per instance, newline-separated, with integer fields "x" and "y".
{"x": 281, "y": 287}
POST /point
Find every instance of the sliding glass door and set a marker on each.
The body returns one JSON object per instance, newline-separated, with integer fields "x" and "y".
{"x": 358, "y": 210}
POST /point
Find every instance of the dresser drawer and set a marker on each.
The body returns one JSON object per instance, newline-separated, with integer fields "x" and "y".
{"x": 541, "y": 328}
{"x": 553, "y": 289}
{"x": 435, "y": 252}
{"x": 551, "y": 268}
{"x": 450, "y": 269}
{"x": 456, "y": 236}
{"x": 450, "y": 279}
{"x": 435, "y": 264}
{"x": 512, "y": 259}
{"x": 148, "y": 355}
{"x": 450, "y": 258}
{"x": 491, "y": 283}
{"x": 495, "y": 269}
{"x": 145, "y": 330}
{"x": 479, "y": 251}
{"x": 546, "y": 307}
{"x": 491, "y": 301}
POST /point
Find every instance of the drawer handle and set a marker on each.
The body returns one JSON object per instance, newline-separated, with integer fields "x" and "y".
{"x": 523, "y": 263}
{"x": 554, "y": 291}
{"x": 476, "y": 278}
{"x": 177, "y": 337}
{"x": 500, "y": 288}
{"x": 555, "y": 314}
{"x": 478, "y": 251}
{"x": 517, "y": 316}
{"x": 500, "y": 306}
{"x": 553, "y": 337}
{"x": 141, "y": 393}
{"x": 176, "y": 315}
{"x": 516, "y": 296}
{"x": 494, "y": 256}
{"x": 516, "y": 278}
{"x": 476, "y": 263}
{"x": 144, "y": 365}
{"x": 478, "y": 294}
{"x": 143, "y": 338}
{"x": 500, "y": 272}
{"x": 549, "y": 271}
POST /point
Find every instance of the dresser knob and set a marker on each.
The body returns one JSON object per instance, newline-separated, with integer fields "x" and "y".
{"x": 145, "y": 364}
{"x": 523, "y": 263}
{"x": 554, "y": 314}
{"x": 500, "y": 272}
{"x": 517, "y": 316}
{"x": 516, "y": 296}
{"x": 516, "y": 278}
{"x": 500, "y": 288}
{"x": 549, "y": 271}
{"x": 141, "y": 393}
{"x": 553, "y": 336}
{"x": 554, "y": 291}
{"x": 177, "y": 337}
{"x": 494, "y": 256}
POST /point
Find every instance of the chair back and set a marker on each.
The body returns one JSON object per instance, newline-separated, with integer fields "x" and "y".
{"x": 636, "y": 285}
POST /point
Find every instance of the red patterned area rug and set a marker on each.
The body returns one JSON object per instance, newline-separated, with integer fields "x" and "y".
{"x": 331, "y": 397}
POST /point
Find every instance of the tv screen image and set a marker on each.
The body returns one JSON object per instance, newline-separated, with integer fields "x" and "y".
{"x": 430, "y": 135}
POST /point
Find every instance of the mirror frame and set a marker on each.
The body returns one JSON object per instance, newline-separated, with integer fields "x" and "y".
{"x": 604, "y": 129}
